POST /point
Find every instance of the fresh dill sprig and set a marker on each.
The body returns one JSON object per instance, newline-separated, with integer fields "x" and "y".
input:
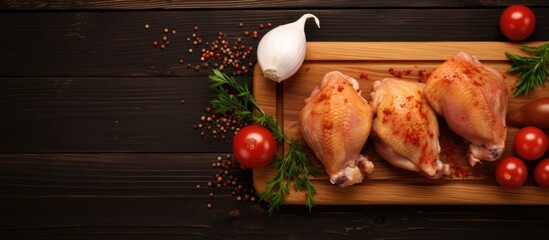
{"x": 533, "y": 69}
{"x": 293, "y": 167}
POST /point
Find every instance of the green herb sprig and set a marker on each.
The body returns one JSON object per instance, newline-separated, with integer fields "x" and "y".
{"x": 293, "y": 167}
{"x": 533, "y": 68}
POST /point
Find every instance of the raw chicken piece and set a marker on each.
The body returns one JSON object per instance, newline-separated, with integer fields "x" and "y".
{"x": 405, "y": 128}
{"x": 335, "y": 122}
{"x": 473, "y": 100}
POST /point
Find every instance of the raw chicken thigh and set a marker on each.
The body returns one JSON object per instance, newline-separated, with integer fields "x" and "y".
{"x": 405, "y": 129}
{"x": 473, "y": 100}
{"x": 335, "y": 122}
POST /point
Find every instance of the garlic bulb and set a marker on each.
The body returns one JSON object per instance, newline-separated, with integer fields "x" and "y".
{"x": 282, "y": 50}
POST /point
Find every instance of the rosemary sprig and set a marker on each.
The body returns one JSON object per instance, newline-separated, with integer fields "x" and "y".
{"x": 293, "y": 167}
{"x": 533, "y": 69}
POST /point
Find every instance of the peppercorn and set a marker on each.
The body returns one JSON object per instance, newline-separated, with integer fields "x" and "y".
{"x": 261, "y": 26}
{"x": 155, "y": 43}
{"x": 147, "y": 26}
{"x": 166, "y": 30}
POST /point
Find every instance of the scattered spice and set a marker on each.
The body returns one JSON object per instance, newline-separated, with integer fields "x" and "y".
{"x": 233, "y": 54}
{"x": 364, "y": 75}
{"x": 458, "y": 170}
{"x": 223, "y": 165}
{"x": 219, "y": 53}
{"x": 422, "y": 74}
{"x": 218, "y": 127}
{"x": 294, "y": 166}
{"x": 397, "y": 74}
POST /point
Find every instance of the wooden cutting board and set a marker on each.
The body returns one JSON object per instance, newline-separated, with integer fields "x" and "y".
{"x": 388, "y": 184}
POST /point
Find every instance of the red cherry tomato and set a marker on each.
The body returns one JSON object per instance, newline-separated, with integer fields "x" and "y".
{"x": 517, "y": 22}
{"x": 542, "y": 173}
{"x": 511, "y": 172}
{"x": 530, "y": 143}
{"x": 254, "y": 147}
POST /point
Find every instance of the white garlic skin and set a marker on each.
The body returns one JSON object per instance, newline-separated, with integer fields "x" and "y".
{"x": 281, "y": 51}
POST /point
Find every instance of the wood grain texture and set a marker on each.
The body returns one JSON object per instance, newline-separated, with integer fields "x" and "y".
{"x": 148, "y": 196}
{"x": 76, "y": 44}
{"x": 143, "y": 114}
{"x": 248, "y": 4}
{"x": 387, "y": 185}
{"x": 109, "y": 175}
{"x": 70, "y": 69}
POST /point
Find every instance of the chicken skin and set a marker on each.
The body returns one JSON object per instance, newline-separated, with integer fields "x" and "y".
{"x": 473, "y": 100}
{"x": 335, "y": 122}
{"x": 405, "y": 128}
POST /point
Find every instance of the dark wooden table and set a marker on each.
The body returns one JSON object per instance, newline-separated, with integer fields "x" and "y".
{"x": 95, "y": 141}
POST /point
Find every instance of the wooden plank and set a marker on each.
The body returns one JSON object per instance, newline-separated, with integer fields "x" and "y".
{"x": 408, "y": 51}
{"x": 388, "y": 185}
{"x": 114, "y": 175}
{"x": 249, "y": 4}
{"x": 68, "y": 44}
{"x": 151, "y": 196}
{"x": 111, "y": 114}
